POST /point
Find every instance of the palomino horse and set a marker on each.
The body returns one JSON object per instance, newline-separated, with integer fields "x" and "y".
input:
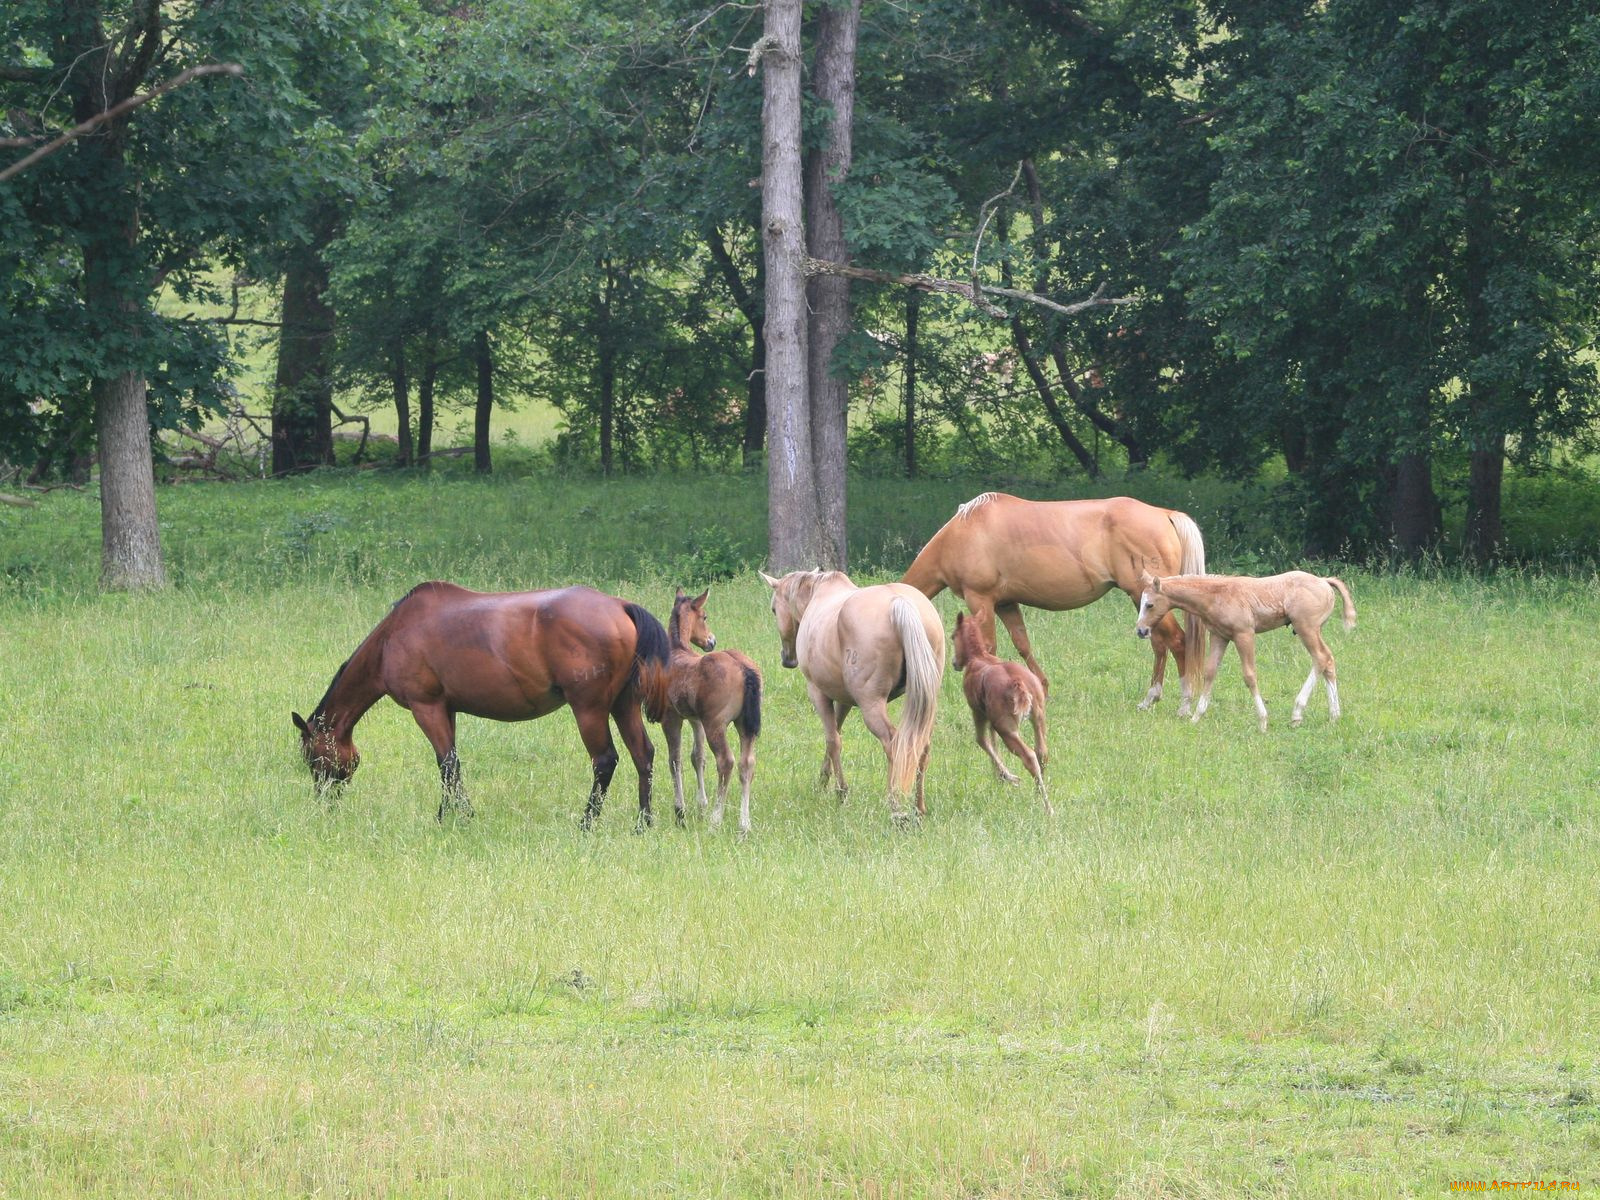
{"x": 1235, "y": 608}
{"x": 999, "y": 552}
{"x": 710, "y": 691}
{"x": 1000, "y": 694}
{"x": 508, "y": 656}
{"x": 860, "y": 648}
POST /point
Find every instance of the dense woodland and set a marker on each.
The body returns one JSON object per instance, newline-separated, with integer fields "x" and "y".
{"x": 1346, "y": 246}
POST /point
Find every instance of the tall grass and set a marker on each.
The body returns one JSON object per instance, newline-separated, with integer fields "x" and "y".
{"x": 1352, "y": 959}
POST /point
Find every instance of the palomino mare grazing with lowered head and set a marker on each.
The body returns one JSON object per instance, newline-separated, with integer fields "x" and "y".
{"x": 1000, "y": 694}
{"x": 1000, "y": 552}
{"x": 508, "y": 656}
{"x": 860, "y": 647}
{"x": 1234, "y": 608}
{"x": 711, "y": 691}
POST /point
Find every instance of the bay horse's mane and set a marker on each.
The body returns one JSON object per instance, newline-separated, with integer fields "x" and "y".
{"x": 322, "y": 705}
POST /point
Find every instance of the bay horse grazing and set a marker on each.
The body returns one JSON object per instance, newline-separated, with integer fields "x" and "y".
{"x": 860, "y": 647}
{"x": 1000, "y": 694}
{"x": 711, "y": 691}
{"x": 508, "y": 656}
{"x": 1235, "y": 608}
{"x": 1000, "y": 552}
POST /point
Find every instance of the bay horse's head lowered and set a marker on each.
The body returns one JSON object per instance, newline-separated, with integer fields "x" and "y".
{"x": 332, "y": 759}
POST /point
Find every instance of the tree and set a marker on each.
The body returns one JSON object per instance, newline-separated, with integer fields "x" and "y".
{"x": 146, "y": 205}
{"x": 828, "y": 296}
{"x": 796, "y": 536}
{"x": 1396, "y": 257}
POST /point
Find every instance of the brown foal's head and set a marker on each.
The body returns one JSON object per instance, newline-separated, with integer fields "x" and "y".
{"x": 689, "y": 619}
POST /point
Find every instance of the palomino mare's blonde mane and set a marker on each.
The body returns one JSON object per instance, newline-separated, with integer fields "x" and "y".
{"x": 966, "y": 510}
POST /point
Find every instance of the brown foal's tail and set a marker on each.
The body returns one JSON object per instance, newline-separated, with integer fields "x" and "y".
{"x": 652, "y": 661}
{"x": 750, "y": 714}
{"x": 922, "y": 697}
{"x": 1338, "y": 585}
{"x": 1192, "y": 561}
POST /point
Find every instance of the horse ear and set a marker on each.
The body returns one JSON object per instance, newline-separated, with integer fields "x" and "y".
{"x": 699, "y": 602}
{"x": 1155, "y": 584}
{"x": 769, "y": 580}
{"x": 677, "y": 594}
{"x": 300, "y": 722}
{"x": 960, "y": 617}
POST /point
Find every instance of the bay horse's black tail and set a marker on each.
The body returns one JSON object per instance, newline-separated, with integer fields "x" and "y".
{"x": 750, "y": 714}
{"x": 652, "y": 658}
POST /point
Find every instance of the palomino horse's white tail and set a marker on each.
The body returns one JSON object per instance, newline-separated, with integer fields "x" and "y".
{"x": 1338, "y": 585}
{"x": 1193, "y": 562}
{"x": 922, "y": 696}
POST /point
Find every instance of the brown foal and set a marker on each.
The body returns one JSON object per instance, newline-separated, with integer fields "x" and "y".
{"x": 1001, "y": 694}
{"x": 710, "y": 691}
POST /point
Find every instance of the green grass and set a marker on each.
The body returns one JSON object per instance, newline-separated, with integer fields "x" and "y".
{"x": 1360, "y": 959}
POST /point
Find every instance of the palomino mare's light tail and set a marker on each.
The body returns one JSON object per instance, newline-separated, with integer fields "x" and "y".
{"x": 1338, "y": 585}
{"x": 922, "y": 696}
{"x": 1193, "y": 562}
{"x": 652, "y": 661}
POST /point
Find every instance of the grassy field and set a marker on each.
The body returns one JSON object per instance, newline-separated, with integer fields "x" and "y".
{"x": 1352, "y": 960}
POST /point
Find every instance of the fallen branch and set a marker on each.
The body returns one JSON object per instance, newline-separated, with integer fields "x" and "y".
{"x": 976, "y": 293}
{"x": 117, "y": 110}
{"x": 17, "y": 501}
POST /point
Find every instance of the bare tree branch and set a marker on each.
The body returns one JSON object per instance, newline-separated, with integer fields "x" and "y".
{"x": 975, "y": 293}
{"x": 117, "y": 110}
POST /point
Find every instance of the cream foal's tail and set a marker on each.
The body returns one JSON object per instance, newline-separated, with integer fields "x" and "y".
{"x": 1338, "y": 585}
{"x": 1192, "y": 561}
{"x": 922, "y": 697}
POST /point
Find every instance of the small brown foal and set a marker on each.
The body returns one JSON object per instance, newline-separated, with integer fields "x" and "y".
{"x": 1234, "y": 608}
{"x": 711, "y": 692}
{"x": 1001, "y": 694}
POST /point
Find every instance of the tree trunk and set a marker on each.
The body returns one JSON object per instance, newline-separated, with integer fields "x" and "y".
{"x": 302, "y": 393}
{"x": 130, "y": 533}
{"x": 480, "y": 423}
{"x": 833, "y": 83}
{"x": 795, "y": 536}
{"x": 755, "y": 403}
{"x": 606, "y": 360}
{"x": 402, "y": 405}
{"x": 430, "y": 372}
{"x": 1485, "y": 473}
{"x": 1413, "y": 506}
{"x": 130, "y": 536}
{"x": 913, "y": 309}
